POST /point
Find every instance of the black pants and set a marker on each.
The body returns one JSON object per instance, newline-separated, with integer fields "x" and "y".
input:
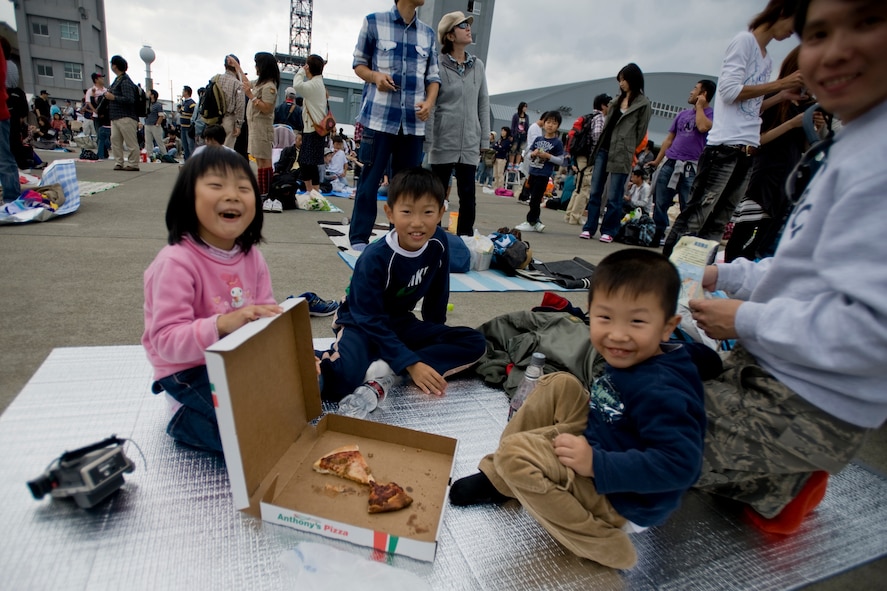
{"x": 465, "y": 189}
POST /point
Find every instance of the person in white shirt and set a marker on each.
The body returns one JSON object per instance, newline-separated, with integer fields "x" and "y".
{"x": 735, "y": 135}
{"x": 638, "y": 194}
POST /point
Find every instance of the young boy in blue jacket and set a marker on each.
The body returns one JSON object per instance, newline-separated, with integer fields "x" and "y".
{"x": 591, "y": 468}
{"x": 376, "y": 320}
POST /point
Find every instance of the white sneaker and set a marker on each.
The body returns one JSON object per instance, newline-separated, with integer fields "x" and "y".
{"x": 277, "y": 206}
{"x": 266, "y": 205}
{"x": 528, "y": 227}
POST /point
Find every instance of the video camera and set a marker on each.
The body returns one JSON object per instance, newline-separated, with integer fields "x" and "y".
{"x": 89, "y": 474}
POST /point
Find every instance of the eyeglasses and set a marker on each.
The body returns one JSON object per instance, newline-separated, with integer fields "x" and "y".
{"x": 463, "y": 25}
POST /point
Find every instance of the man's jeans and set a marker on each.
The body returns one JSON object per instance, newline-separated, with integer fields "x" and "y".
{"x": 720, "y": 182}
{"x": 376, "y": 147}
{"x": 187, "y": 143}
{"x": 665, "y": 194}
{"x": 103, "y": 141}
{"x": 9, "y": 178}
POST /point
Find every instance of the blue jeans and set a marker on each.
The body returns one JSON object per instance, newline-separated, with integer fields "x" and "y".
{"x": 104, "y": 141}
{"x": 376, "y": 147}
{"x": 9, "y": 178}
{"x": 194, "y": 424}
{"x": 665, "y": 195}
{"x": 721, "y": 179}
{"x": 613, "y": 213}
{"x": 187, "y": 143}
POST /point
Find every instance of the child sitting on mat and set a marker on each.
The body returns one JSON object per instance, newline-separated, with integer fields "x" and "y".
{"x": 376, "y": 320}
{"x": 593, "y": 468}
{"x": 206, "y": 283}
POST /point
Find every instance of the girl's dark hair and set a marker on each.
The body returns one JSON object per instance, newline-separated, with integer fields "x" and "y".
{"x": 638, "y": 271}
{"x": 507, "y": 130}
{"x": 415, "y": 182}
{"x": 266, "y": 68}
{"x": 775, "y": 10}
{"x": 315, "y": 64}
{"x": 120, "y": 63}
{"x": 789, "y": 66}
{"x": 632, "y": 74}
{"x": 520, "y": 106}
{"x": 181, "y": 216}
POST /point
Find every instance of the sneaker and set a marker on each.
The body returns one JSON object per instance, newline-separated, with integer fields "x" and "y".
{"x": 266, "y": 205}
{"x": 118, "y": 167}
{"x": 276, "y": 206}
{"x": 359, "y": 246}
{"x": 585, "y": 235}
{"x": 475, "y": 490}
{"x": 318, "y": 306}
{"x": 130, "y": 168}
{"x": 606, "y": 238}
{"x": 538, "y": 227}
{"x": 526, "y": 227}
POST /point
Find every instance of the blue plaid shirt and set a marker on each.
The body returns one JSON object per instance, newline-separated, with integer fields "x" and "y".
{"x": 407, "y": 53}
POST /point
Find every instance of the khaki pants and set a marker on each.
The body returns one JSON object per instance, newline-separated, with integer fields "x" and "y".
{"x": 525, "y": 467}
{"x": 123, "y": 130}
{"x": 228, "y": 123}
{"x": 763, "y": 440}
{"x": 499, "y": 176}
{"x": 579, "y": 201}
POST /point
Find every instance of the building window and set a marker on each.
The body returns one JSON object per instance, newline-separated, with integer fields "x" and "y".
{"x": 73, "y": 71}
{"x": 70, "y": 31}
{"x": 44, "y": 70}
{"x": 474, "y": 8}
{"x": 41, "y": 29}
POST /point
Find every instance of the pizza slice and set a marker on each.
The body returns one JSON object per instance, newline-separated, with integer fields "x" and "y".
{"x": 387, "y": 497}
{"x": 346, "y": 462}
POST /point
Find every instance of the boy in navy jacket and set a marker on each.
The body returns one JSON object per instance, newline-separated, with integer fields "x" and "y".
{"x": 591, "y": 468}
{"x": 376, "y": 320}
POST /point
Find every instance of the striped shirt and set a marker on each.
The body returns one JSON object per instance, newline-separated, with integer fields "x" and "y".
{"x": 407, "y": 53}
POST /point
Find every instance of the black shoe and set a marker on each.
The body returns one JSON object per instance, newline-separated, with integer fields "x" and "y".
{"x": 475, "y": 490}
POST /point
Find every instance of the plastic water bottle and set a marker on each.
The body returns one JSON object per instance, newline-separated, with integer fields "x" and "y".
{"x": 528, "y": 384}
{"x": 366, "y": 397}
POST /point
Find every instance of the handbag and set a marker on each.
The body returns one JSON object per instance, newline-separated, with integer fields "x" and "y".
{"x": 327, "y": 125}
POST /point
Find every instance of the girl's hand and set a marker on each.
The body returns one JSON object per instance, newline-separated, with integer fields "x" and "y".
{"x": 428, "y": 380}
{"x": 228, "y": 323}
{"x": 574, "y": 452}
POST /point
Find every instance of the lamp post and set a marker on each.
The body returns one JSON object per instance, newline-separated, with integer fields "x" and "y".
{"x": 147, "y": 55}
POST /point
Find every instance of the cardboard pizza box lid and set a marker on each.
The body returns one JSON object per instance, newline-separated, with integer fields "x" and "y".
{"x": 265, "y": 391}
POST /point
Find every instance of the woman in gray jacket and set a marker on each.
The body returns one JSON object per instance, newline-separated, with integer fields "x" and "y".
{"x": 624, "y": 129}
{"x": 459, "y": 126}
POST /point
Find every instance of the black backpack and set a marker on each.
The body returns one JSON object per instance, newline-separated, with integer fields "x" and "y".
{"x": 143, "y": 104}
{"x": 212, "y": 104}
{"x": 582, "y": 143}
{"x": 283, "y": 188}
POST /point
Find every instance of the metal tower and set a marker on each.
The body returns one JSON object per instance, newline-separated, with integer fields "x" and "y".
{"x": 301, "y": 12}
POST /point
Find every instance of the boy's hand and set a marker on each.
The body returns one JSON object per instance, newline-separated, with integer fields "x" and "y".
{"x": 574, "y": 451}
{"x": 228, "y": 323}
{"x": 428, "y": 380}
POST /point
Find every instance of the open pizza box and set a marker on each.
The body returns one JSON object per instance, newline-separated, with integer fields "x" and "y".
{"x": 266, "y": 396}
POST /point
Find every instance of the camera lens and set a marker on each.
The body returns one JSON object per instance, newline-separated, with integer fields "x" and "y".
{"x": 40, "y": 486}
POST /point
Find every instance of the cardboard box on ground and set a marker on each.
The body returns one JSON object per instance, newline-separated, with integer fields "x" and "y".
{"x": 266, "y": 395}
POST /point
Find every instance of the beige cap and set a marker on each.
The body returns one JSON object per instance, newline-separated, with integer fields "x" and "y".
{"x": 450, "y": 20}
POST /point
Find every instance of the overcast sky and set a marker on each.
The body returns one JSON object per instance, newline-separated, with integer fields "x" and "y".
{"x": 572, "y": 41}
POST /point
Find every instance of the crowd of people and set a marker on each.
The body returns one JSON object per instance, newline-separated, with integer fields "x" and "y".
{"x": 764, "y": 424}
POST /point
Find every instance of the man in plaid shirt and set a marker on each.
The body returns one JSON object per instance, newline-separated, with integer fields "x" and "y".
{"x": 397, "y": 57}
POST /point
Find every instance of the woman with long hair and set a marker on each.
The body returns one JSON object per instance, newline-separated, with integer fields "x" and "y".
{"x": 459, "y": 125}
{"x": 308, "y": 82}
{"x": 624, "y": 129}
{"x": 758, "y": 217}
{"x": 262, "y": 96}
{"x": 520, "y": 125}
